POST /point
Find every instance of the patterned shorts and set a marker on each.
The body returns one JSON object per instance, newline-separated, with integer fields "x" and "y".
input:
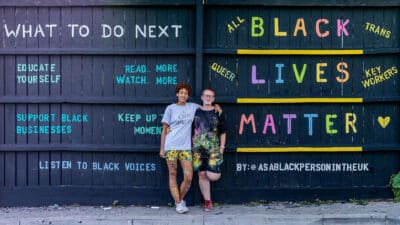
{"x": 207, "y": 160}
{"x": 174, "y": 155}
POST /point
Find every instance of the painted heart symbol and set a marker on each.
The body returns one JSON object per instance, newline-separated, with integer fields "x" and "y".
{"x": 384, "y": 122}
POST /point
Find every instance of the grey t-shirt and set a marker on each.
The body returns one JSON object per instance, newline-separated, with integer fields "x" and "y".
{"x": 179, "y": 118}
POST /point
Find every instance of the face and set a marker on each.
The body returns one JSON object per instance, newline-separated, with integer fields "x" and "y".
{"x": 208, "y": 97}
{"x": 182, "y": 95}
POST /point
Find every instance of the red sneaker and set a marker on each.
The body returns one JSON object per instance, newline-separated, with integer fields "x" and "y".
{"x": 208, "y": 205}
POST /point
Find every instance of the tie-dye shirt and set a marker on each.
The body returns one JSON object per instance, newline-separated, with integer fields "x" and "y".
{"x": 207, "y": 128}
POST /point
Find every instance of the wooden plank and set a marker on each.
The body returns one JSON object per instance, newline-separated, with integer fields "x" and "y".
{"x": 79, "y": 174}
{"x": 88, "y": 126}
{"x": 10, "y": 127}
{"x": 66, "y": 175}
{"x": 69, "y": 137}
{"x": 141, "y": 16}
{"x": 42, "y": 87}
{"x": 55, "y": 120}
{"x": 10, "y": 88}
{"x": 19, "y": 17}
{"x": 10, "y": 170}
{"x": 140, "y": 176}
{"x": 118, "y": 127}
{"x": 119, "y": 171}
{"x": 3, "y": 76}
{"x": 56, "y": 168}
{"x": 87, "y": 76}
{"x": 2, "y": 124}
{"x": 86, "y": 176}
{"x": 98, "y": 176}
{"x": 98, "y": 76}
{"x": 2, "y": 169}
{"x": 77, "y": 128}
{"x": 108, "y": 116}
{"x": 335, "y": 178}
{"x": 54, "y": 17}
{"x": 33, "y": 168}
{"x": 31, "y": 88}
{"x": 210, "y": 26}
{"x": 77, "y": 84}
{"x": 40, "y": 16}
{"x": 108, "y": 76}
{"x": 17, "y": 127}
{"x": 67, "y": 18}
{"x": 68, "y": 76}
{"x": 21, "y": 169}
{"x": 96, "y": 124}
{"x": 274, "y": 178}
{"x": 44, "y": 171}
{"x": 118, "y": 90}
{"x": 44, "y": 112}
{"x": 108, "y": 176}
{"x": 389, "y": 66}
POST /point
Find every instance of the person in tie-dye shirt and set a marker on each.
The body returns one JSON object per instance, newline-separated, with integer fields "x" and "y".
{"x": 209, "y": 137}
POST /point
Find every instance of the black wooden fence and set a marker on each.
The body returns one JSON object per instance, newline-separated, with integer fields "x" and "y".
{"x": 310, "y": 89}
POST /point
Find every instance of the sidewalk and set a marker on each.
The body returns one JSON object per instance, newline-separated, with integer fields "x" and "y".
{"x": 283, "y": 213}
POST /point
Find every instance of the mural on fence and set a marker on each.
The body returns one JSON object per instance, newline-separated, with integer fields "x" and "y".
{"x": 302, "y": 68}
{"x": 68, "y": 85}
{"x": 84, "y": 90}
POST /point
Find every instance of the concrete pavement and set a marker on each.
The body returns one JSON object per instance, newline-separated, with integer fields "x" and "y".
{"x": 282, "y": 213}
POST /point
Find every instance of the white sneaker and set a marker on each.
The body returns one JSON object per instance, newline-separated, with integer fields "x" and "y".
{"x": 181, "y": 207}
{"x": 184, "y": 206}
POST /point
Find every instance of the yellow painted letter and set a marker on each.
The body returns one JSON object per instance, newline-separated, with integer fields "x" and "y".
{"x": 276, "y": 29}
{"x": 341, "y": 68}
{"x": 351, "y": 123}
{"x": 320, "y": 72}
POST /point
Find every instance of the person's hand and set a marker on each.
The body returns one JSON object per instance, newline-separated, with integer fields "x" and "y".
{"x": 218, "y": 108}
{"x": 163, "y": 154}
{"x": 221, "y": 149}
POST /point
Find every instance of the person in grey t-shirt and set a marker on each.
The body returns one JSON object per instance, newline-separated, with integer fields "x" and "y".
{"x": 176, "y": 143}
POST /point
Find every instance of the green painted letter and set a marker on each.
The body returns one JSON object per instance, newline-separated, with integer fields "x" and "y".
{"x": 329, "y": 123}
{"x": 257, "y": 23}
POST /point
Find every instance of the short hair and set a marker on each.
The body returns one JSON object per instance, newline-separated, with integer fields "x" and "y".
{"x": 183, "y": 86}
{"x": 208, "y": 89}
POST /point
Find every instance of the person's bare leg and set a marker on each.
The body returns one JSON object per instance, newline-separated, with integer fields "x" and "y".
{"x": 173, "y": 185}
{"x": 205, "y": 177}
{"x": 204, "y": 184}
{"x": 213, "y": 176}
{"x": 187, "y": 168}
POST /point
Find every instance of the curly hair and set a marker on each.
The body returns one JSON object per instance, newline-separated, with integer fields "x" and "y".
{"x": 183, "y": 86}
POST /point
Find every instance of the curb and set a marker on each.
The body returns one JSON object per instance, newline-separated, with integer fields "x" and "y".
{"x": 187, "y": 219}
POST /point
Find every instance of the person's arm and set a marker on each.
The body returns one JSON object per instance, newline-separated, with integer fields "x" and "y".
{"x": 163, "y": 135}
{"x": 222, "y": 143}
{"x": 222, "y": 132}
{"x": 218, "y": 109}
